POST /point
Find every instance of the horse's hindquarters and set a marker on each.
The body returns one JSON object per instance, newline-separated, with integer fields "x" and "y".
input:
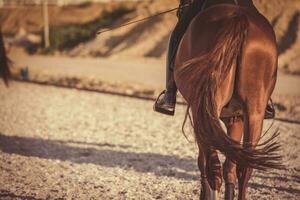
{"x": 199, "y": 41}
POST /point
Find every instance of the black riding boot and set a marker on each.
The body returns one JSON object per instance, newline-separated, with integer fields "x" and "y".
{"x": 166, "y": 101}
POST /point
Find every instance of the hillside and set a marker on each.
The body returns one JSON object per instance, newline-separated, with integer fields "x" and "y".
{"x": 30, "y": 18}
{"x": 149, "y": 38}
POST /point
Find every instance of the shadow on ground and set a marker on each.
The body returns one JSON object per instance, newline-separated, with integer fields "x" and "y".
{"x": 280, "y": 188}
{"x": 9, "y": 195}
{"x": 103, "y": 154}
{"x": 100, "y": 154}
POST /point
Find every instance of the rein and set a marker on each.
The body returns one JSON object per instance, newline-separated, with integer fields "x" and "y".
{"x": 143, "y": 19}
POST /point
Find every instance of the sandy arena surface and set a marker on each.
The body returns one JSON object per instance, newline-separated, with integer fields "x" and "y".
{"x": 67, "y": 144}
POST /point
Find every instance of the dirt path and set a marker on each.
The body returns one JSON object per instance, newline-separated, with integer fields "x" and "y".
{"x": 147, "y": 73}
{"x": 140, "y": 75}
{"x": 68, "y": 144}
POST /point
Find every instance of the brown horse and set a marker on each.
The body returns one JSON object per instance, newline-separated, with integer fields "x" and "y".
{"x": 4, "y": 62}
{"x": 226, "y": 68}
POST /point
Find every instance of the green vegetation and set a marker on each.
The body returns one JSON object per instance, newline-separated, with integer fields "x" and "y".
{"x": 84, "y": 4}
{"x": 69, "y": 36}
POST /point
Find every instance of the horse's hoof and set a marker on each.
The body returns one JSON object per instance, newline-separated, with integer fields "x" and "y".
{"x": 229, "y": 191}
{"x": 207, "y": 193}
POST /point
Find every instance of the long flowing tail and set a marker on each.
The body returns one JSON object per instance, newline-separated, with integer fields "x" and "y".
{"x": 206, "y": 123}
{"x": 4, "y": 62}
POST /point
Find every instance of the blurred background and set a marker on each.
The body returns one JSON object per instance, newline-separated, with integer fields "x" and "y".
{"x": 56, "y": 143}
{"x": 62, "y": 29}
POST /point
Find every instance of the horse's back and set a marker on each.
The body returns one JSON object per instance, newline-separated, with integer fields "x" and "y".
{"x": 203, "y": 31}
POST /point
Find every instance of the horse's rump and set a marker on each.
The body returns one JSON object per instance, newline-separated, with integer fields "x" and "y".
{"x": 205, "y": 46}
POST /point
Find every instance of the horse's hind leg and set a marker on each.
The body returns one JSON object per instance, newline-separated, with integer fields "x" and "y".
{"x": 211, "y": 170}
{"x": 235, "y": 128}
{"x": 255, "y": 81}
{"x": 206, "y": 191}
{"x": 255, "y": 99}
{"x": 253, "y": 123}
{"x": 211, "y": 177}
{"x": 254, "y": 110}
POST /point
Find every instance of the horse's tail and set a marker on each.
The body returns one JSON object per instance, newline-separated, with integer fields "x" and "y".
{"x": 4, "y": 62}
{"x": 207, "y": 127}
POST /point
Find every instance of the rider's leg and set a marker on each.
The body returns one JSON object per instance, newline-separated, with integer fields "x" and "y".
{"x": 166, "y": 101}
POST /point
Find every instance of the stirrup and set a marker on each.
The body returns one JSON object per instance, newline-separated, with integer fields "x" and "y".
{"x": 167, "y": 111}
{"x": 270, "y": 114}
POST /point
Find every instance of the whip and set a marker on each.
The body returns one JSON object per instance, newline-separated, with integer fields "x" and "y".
{"x": 143, "y": 19}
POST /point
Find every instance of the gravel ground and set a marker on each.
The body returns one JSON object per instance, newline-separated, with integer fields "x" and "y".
{"x": 67, "y": 144}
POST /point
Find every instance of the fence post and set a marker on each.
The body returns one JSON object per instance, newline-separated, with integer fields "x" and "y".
{"x": 46, "y": 24}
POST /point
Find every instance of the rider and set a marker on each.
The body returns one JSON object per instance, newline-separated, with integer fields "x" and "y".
{"x": 167, "y": 99}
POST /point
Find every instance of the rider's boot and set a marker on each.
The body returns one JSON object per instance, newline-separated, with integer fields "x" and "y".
{"x": 166, "y": 101}
{"x": 270, "y": 110}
